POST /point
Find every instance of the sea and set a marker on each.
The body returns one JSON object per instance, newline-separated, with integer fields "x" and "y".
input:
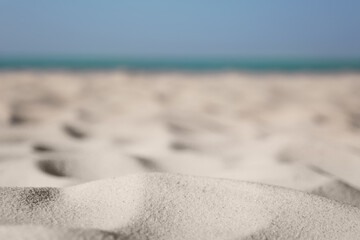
{"x": 187, "y": 64}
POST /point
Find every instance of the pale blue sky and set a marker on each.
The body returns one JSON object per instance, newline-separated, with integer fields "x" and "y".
{"x": 229, "y": 28}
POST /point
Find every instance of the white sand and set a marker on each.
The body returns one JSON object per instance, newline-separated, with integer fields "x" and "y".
{"x": 164, "y": 206}
{"x": 69, "y": 131}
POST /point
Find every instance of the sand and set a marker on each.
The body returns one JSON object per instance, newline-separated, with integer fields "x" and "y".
{"x": 132, "y": 155}
{"x": 169, "y": 206}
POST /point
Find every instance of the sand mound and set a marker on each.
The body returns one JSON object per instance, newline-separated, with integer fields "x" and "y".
{"x": 167, "y": 206}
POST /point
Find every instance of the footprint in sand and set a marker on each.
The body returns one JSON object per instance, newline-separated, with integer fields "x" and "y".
{"x": 333, "y": 158}
{"x": 90, "y": 160}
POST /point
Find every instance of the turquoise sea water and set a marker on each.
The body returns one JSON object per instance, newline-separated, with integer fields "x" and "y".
{"x": 181, "y": 64}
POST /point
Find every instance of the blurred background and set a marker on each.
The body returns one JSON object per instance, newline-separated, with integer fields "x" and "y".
{"x": 252, "y": 90}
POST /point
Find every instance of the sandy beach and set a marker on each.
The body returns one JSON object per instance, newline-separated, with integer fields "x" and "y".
{"x": 179, "y": 155}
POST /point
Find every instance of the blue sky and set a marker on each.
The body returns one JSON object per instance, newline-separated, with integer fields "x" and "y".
{"x": 196, "y": 28}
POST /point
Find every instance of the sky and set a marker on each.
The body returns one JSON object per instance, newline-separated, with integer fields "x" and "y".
{"x": 186, "y": 28}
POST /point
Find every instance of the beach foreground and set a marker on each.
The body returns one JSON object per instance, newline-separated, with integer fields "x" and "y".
{"x": 134, "y": 155}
